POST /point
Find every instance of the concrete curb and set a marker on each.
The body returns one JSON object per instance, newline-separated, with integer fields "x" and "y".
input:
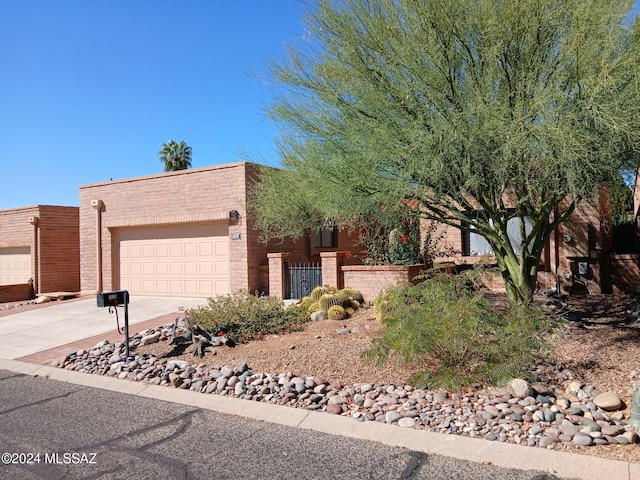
{"x": 561, "y": 464}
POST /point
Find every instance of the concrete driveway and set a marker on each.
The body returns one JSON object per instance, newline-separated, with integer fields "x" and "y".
{"x": 25, "y": 332}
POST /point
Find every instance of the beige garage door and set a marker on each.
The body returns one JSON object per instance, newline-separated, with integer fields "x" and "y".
{"x": 177, "y": 260}
{"x": 15, "y": 265}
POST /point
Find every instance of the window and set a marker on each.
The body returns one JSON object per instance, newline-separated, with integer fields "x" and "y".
{"x": 476, "y": 245}
{"x": 326, "y": 238}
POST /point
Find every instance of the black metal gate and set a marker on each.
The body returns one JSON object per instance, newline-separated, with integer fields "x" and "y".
{"x": 303, "y": 278}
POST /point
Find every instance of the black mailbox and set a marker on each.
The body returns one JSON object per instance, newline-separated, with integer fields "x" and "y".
{"x": 113, "y": 299}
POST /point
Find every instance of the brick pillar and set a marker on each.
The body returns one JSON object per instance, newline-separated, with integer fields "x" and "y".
{"x": 276, "y": 274}
{"x": 332, "y": 268}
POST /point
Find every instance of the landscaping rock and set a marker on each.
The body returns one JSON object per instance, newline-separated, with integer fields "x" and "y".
{"x": 608, "y": 401}
{"x": 520, "y": 415}
{"x": 149, "y": 339}
{"x": 319, "y": 316}
{"x": 519, "y": 388}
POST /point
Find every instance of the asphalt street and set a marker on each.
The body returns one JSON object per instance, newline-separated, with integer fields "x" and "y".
{"x": 71, "y": 431}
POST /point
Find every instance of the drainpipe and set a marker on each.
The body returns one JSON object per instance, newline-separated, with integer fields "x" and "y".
{"x": 98, "y": 204}
{"x": 36, "y": 264}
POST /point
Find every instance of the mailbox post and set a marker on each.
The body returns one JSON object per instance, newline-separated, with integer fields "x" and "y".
{"x": 114, "y": 300}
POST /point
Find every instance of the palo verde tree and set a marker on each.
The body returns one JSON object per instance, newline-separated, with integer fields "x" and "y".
{"x": 487, "y": 113}
{"x": 175, "y": 156}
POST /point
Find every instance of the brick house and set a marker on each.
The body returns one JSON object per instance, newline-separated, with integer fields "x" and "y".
{"x": 183, "y": 233}
{"x": 576, "y": 251}
{"x": 39, "y": 251}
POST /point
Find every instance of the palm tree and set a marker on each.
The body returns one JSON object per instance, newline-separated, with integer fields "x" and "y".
{"x": 176, "y": 156}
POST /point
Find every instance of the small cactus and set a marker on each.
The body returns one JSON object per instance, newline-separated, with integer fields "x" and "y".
{"x": 353, "y": 294}
{"x": 305, "y": 303}
{"x": 314, "y": 307}
{"x": 317, "y": 292}
{"x": 328, "y": 300}
{"x": 336, "y": 312}
{"x": 380, "y": 306}
{"x": 350, "y": 311}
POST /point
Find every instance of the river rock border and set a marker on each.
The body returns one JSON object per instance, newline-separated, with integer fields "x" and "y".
{"x": 549, "y": 412}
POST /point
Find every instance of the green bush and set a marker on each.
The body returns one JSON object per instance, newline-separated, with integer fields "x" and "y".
{"x": 451, "y": 333}
{"x": 248, "y": 316}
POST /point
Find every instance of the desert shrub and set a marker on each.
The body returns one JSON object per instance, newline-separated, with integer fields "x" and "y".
{"x": 450, "y": 331}
{"x": 248, "y": 316}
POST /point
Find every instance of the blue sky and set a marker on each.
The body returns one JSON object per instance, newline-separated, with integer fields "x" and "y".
{"x": 90, "y": 89}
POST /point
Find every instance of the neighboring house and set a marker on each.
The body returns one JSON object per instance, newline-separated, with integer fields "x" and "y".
{"x": 183, "y": 233}
{"x": 39, "y": 251}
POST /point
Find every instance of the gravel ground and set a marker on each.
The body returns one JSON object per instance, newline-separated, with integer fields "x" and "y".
{"x": 599, "y": 345}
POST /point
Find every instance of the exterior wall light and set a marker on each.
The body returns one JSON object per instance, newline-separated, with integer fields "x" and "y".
{"x": 234, "y": 215}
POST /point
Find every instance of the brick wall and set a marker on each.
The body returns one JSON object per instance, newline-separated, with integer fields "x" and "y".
{"x": 626, "y": 269}
{"x": 277, "y": 274}
{"x": 588, "y": 229}
{"x": 188, "y": 196}
{"x": 57, "y": 261}
{"x": 370, "y": 280}
{"x": 16, "y": 293}
{"x": 15, "y": 229}
{"x": 59, "y": 249}
{"x": 332, "y": 263}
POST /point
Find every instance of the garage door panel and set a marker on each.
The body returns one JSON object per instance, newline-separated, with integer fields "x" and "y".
{"x": 222, "y": 249}
{"x": 222, "y": 268}
{"x": 207, "y": 249}
{"x": 15, "y": 265}
{"x": 188, "y": 260}
{"x": 222, "y": 288}
{"x": 162, "y": 286}
{"x": 162, "y": 269}
{"x": 206, "y": 268}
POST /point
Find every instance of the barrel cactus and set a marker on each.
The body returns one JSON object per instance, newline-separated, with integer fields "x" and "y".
{"x": 305, "y": 303}
{"x": 314, "y": 307}
{"x": 353, "y": 294}
{"x": 317, "y": 292}
{"x": 336, "y": 312}
{"x": 329, "y": 300}
{"x": 380, "y": 306}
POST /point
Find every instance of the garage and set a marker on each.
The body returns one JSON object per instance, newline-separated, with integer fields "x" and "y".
{"x": 189, "y": 260}
{"x": 15, "y": 265}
